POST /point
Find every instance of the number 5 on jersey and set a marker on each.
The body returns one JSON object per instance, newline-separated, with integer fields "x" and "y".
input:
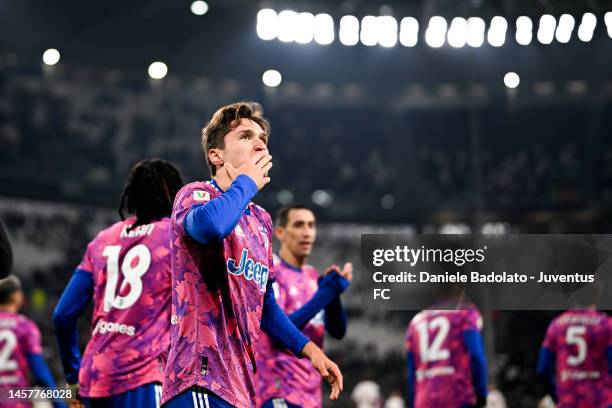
{"x": 135, "y": 264}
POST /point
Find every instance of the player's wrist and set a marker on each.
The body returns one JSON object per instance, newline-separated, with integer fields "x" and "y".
{"x": 310, "y": 350}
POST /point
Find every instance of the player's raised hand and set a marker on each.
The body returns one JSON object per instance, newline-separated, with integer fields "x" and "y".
{"x": 331, "y": 268}
{"x": 347, "y": 271}
{"x": 257, "y": 168}
{"x": 327, "y": 368}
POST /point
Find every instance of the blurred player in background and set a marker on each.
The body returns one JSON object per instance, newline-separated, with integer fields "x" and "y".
{"x": 126, "y": 270}
{"x": 222, "y": 271}
{"x": 447, "y": 365}
{"x": 6, "y": 252}
{"x": 576, "y": 356}
{"x": 20, "y": 345}
{"x": 313, "y": 305}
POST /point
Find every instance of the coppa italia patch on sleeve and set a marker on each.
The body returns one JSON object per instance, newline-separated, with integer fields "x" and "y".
{"x": 201, "y": 196}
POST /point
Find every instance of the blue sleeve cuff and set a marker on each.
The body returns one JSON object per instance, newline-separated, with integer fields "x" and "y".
{"x": 71, "y": 305}
{"x": 217, "y": 218}
{"x": 276, "y": 324}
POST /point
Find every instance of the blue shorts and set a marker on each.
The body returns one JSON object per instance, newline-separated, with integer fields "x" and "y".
{"x": 197, "y": 397}
{"x": 148, "y": 395}
{"x": 279, "y": 403}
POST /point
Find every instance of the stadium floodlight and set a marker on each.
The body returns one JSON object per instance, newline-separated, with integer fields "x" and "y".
{"x": 387, "y": 31}
{"x": 524, "y": 30}
{"x": 475, "y": 31}
{"x": 349, "y": 30}
{"x": 409, "y": 32}
{"x": 267, "y": 24}
{"x": 51, "y": 56}
{"x": 497, "y": 31}
{"x": 546, "y": 30}
{"x": 158, "y": 70}
{"x": 199, "y": 7}
{"x": 323, "y": 29}
{"x": 287, "y": 22}
{"x": 436, "y": 32}
{"x": 271, "y": 78}
{"x": 457, "y": 33}
{"x": 587, "y": 27}
{"x": 565, "y": 28}
{"x": 369, "y": 31}
{"x": 512, "y": 80}
{"x": 304, "y": 28}
{"x": 608, "y": 20}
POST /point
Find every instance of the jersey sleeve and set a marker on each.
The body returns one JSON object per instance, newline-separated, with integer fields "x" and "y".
{"x": 473, "y": 320}
{"x": 32, "y": 343}
{"x": 408, "y": 340}
{"x": 187, "y": 198}
{"x": 87, "y": 263}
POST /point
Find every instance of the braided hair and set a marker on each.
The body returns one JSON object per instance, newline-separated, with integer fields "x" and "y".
{"x": 150, "y": 190}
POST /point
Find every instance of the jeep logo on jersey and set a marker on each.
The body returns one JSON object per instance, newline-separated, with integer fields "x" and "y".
{"x": 255, "y": 271}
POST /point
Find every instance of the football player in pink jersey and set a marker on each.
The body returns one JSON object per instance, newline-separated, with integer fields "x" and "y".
{"x": 312, "y": 303}
{"x": 126, "y": 271}
{"x": 222, "y": 270}
{"x": 20, "y": 345}
{"x": 576, "y": 356}
{"x": 447, "y": 365}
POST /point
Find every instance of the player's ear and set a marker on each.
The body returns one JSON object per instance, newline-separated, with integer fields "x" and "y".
{"x": 215, "y": 156}
{"x": 279, "y": 232}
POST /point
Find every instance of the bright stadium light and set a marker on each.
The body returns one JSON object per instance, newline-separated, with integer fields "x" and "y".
{"x": 369, "y": 31}
{"x": 565, "y": 28}
{"x": 409, "y": 32}
{"x": 349, "y": 30}
{"x": 199, "y": 7}
{"x": 323, "y": 29}
{"x": 304, "y": 28}
{"x": 475, "y": 31}
{"x": 512, "y": 80}
{"x": 546, "y": 31}
{"x": 158, "y": 70}
{"x": 608, "y": 20}
{"x": 271, "y": 78}
{"x": 287, "y": 22}
{"x": 436, "y": 32}
{"x": 457, "y": 32}
{"x": 524, "y": 30}
{"x": 51, "y": 56}
{"x": 587, "y": 27}
{"x": 387, "y": 31}
{"x": 497, "y": 31}
{"x": 267, "y": 24}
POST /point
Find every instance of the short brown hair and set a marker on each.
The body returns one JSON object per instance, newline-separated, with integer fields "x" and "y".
{"x": 224, "y": 120}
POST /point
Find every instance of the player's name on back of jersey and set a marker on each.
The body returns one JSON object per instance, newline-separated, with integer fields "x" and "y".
{"x": 137, "y": 232}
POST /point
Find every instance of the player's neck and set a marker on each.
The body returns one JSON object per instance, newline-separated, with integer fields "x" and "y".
{"x": 223, "y": 180}
{"x": 8, "y": 309}
{"x": 291, "y": 259}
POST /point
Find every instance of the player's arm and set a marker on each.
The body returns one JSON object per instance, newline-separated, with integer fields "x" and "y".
{"x": 70, "y": 307}
{"x": 546, "y": 370}
{"x": 335, "y": 318}
{"x": 411, "y": 371}
{"x": 277, "y": 325}
{"x": 478, "y": 363}
{"x": 42, "y": 374}
{"x": 6, "y": 253}
{"x": 330, "y": 287}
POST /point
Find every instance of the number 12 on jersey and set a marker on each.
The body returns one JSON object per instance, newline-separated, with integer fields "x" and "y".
{"x": 136, "y": 262}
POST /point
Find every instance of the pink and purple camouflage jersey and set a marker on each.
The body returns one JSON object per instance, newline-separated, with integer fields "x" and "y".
{"x": 442, "y": 361}
{"x": 579, "y": 339}
{"x": 217, "y": 301}
{"x": 131, "y": 316}
{"x": 281, "y": 374}
{"x": 19, "y": 337}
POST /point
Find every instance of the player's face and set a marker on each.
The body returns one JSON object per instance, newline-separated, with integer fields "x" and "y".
{"x": 300, "y": 233}
{"x": 242, "y": 142}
